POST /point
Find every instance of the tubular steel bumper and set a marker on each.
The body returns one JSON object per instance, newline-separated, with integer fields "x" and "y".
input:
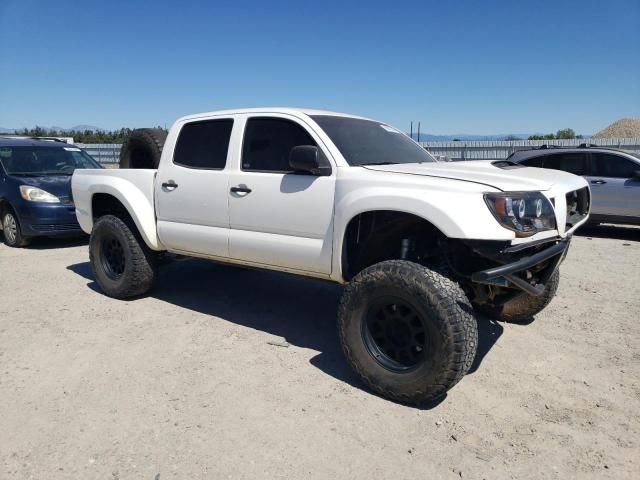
{"x": 509, "y": 271}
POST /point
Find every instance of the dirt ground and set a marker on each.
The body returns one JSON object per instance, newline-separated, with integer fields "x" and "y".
{"x": 193, "y": 381}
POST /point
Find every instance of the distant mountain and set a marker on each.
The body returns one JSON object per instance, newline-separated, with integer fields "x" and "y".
{"x": 80, "y": 128}
{"x": 86, "y": 127}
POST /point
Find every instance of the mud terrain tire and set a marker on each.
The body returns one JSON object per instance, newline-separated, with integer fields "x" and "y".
{"x": 523, "y": 307}
{"x": 143, "y": 148}
{"x": 408, "y": 332}
{"x": 122, "y": 264}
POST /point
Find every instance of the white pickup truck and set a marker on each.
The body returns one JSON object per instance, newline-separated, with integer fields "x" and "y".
{"x": 420, "y": 245}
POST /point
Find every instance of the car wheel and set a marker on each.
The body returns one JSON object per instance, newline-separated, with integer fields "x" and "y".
{"x": 408, "y": 332}
{"x": 13, "y": 237}
{"x": 122, "y": 264}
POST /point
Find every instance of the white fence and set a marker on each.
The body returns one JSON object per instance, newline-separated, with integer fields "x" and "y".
{"x": 468, "y": 150}
{"x": 105, "y": 153}
{"x": 499, "y": 150}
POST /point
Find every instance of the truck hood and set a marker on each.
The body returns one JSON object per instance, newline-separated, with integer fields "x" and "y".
{"x": 512, "y": 179}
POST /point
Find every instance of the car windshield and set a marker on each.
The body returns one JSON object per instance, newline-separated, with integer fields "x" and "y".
{"x": 39, "y": 161}
{"x": 365, "y": 142}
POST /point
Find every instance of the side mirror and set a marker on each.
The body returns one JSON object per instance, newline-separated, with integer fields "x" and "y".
{"x": 636, "y": 175}
{"x": 306, "y": 158}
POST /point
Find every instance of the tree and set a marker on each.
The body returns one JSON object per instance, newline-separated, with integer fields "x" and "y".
{"x": 536, "y": 137}
{"x": 565, "y": 133}
{"x": 84, "y": 136}
{"x": 511, "y": 138}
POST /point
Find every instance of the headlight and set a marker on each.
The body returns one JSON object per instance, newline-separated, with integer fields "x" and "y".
{"x": 35, "y": 194}
{"x": 525, "y": 213}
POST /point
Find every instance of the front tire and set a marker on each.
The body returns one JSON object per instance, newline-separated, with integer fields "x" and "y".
{"x": 407, "y": 331}
{"x": 12, "y": 235}
{"x": 523, "y": 307}
{"x": 122, "y": 264}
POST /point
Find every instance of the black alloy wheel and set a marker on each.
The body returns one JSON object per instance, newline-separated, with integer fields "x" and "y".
{"x": 395, "y": 334}
{"x": 112, "y": 257}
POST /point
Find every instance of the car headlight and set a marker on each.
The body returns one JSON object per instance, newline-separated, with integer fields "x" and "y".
{"x": 526, "y": 213}
{"x": 35, "y": 194}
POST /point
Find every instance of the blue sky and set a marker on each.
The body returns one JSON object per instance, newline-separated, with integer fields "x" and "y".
{"x": 457, "y": 66}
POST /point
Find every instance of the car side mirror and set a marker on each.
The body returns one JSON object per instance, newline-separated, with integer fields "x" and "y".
{"x": 307, "y": 158}
{"x": 636, "y": 175}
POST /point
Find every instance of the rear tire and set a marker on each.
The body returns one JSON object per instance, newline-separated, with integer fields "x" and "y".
{"x": 143, "y": 148}
{"x": 12, "y": 234}
{"x": 408, "y": 332}
{"x": 523, "y": 307}
{"x": 122, "y": 264}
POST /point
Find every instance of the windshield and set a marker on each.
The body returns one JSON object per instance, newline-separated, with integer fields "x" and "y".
{"x": 364, "y": 142}
{"x": 40, "y": 161}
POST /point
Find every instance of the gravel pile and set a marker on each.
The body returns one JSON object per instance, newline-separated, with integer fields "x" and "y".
{"x": 623, "y": 128}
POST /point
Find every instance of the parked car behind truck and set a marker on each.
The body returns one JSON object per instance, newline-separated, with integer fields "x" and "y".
{"x": 613, "y": 175}
{"x": 35, "y": 188}
{"x": 417, "y": 244}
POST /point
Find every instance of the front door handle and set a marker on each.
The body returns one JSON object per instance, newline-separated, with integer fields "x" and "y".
{"x": 240, "y": 189}
{"x": 598, "y": 182}
{"x": 170, "y": 185}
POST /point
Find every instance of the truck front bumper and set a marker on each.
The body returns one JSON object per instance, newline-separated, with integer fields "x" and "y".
{"x": 552, "y": 255}
{"x": 522, "y": 267}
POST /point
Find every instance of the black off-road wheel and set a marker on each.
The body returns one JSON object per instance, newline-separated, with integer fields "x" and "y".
{"x": 12, "y": 234}
{"x": 143, "y": 148}
{"x": 523, "y": 307}
{"x": 122, "y": 264}
{"x": 408, "y": 332}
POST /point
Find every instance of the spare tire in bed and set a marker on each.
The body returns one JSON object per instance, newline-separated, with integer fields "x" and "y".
{"x": 142, "y": 149}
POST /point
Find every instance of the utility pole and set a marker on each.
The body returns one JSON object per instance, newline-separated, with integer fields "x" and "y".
{"x": 418, "y": 131}
{"x": 411, "y": 134}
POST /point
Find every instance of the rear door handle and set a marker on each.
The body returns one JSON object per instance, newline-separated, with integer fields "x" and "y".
{"x": 240, "y": 189}
{"x": 170, "y": 185}
{"x": 598, "y": 182}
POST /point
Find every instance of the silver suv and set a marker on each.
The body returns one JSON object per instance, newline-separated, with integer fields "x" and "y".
{"x": 613, "y": 175}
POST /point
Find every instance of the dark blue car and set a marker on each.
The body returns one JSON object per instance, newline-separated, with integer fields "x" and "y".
{"x": 35, "y": 188}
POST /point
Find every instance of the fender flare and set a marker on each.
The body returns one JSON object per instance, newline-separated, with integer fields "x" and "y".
{"x": 143, "y": 214}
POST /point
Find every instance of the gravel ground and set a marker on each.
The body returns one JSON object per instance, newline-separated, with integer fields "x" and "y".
{"x": 197, "y": 381}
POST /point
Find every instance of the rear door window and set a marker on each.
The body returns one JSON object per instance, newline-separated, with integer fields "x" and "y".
{"x": 613, "y": 166}
{"x": 575, "y": 163}
{"x": 204, "y": 144}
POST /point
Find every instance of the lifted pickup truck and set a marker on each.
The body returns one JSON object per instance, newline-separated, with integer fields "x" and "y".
{"x": 418, "y": 244}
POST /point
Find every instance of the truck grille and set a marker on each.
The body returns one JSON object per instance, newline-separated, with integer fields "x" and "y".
{"x": 577, "y": 207}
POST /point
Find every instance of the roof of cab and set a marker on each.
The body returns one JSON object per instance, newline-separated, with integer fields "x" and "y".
{"x": 267, "y": 110}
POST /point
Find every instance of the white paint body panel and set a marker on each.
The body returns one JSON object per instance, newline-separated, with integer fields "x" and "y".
{"x": 194, "y": 217}
{"x": 133, "y": 188}
{"x": 296, "y": 223}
